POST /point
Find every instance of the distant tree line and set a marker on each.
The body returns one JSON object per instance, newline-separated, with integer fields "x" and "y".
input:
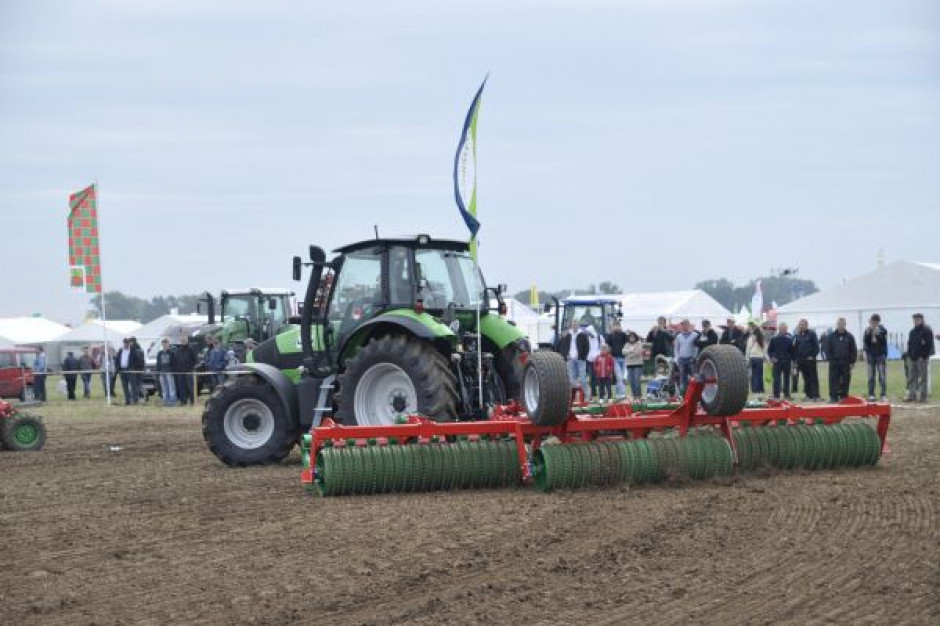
{"x": 121, "y": 306}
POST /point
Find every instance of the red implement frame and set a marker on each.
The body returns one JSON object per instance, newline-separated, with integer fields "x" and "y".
{"x": 622, "y": 418}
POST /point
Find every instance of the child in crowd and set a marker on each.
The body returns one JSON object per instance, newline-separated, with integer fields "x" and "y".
{"x": 604, "y": 374}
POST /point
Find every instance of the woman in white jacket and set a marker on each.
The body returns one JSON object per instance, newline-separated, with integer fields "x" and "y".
{"x": 633, "y": 360}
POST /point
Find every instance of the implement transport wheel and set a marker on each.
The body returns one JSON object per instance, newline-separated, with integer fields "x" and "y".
{"x": 23, "y": 433}
{"x": 396, "y": 376}
{"x": 545, "y": 388}
{"x": 725, "y": 365}
{"x": 244, "y": 423}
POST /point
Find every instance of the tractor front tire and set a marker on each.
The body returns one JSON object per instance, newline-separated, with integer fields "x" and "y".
{"x": 23, "y": 433}
{"x": 546, "y": 388}
{"x": 724, "y": 364}
{"x": 244, "y": 423}
{"x": 396, "y": 376}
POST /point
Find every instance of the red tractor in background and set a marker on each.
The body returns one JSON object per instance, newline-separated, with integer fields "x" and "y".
{"x": 20, "y": 431}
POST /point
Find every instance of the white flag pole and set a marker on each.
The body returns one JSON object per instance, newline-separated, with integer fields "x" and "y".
{"x": 104, "y": 310}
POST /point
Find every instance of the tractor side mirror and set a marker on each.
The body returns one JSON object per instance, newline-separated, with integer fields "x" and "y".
{"x": 272, "y": 304}
{"x": 199, "y": 307}
{"x": 317, "y": 255}
{"x": 298, "y": 267}
{"x": 547, "y": 307}
{"x": 502, "y": 288}
{"x": 619, "y": 312}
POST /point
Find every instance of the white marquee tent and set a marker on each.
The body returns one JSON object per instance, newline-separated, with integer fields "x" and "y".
{"x": 150, "y": 333}
{"x": 29, "y": 331}
{"x": 90, "y": 333}
{"x": 895, "y": 291}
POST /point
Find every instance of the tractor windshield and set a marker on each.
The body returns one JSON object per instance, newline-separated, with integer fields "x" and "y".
{"x": 449, "y": 277}
{"x": 600, "y": 316}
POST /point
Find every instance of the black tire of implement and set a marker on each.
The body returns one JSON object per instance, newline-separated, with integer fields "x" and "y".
{"x": 427, "y": 368}
{"x": 554, "y": 389}
{"x": 509, "y": 371}
{"x": 10, "y": 424}
{"x": 732, "y": 380}
{"x": 285, "y": 435}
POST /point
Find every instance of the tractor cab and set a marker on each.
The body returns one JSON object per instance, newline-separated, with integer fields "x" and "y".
{"x": 256, "y": 313}
{"x": 601, "y": 312}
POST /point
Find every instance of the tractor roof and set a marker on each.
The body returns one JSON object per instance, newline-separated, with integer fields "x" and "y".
{"x": 257, "y": 291}
{"x": 419, "y": 241}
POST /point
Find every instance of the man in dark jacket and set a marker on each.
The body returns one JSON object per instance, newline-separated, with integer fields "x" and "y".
{"x": 805, "y": 351}
{"x": 919, "y": 350}
{"x": 185, "y": 364}
{"x": 661, "y": 339}
{"x": 69, "y": 367}
{"x": 575, "y": 346}
{"x": 708, "y": 336}
{"x": 138, "y": 364}
{"x": 875, "y": 341}
{"x": 780, "y": 352}
{"x": 616, "y": 340}
{"x": 842, "y": 352}
{"x": 733, "y": 336}
{"x": 166, "y": 370}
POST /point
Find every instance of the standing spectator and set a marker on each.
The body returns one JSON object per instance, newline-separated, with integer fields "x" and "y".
{"x": 86, "y": 364}
{"x": 604, "y": 366}
{"x": 805, "y": 351}
{"x": 708, "y": 337}
{"x": 733, "y": 336}
{"x": 595, "y": 340}
{"x": 633, "y": 359}
{"x": 69, "y": 367}
{"x": 215, "y": 362}
{"x": 661, "y": 339}
{"x": 106, "y": 366}
{"x": 617, "y": 339}
{"x": 875, "y": 342}
{"x": 40, "y": 369}
{"x": 123, "y": 366}
{"x": 823, "y": 344}
{"x": 919, "y": 350}
{"x": 842, "y": 352}
{"x": 574, "y": 346}
{"x": 138, "y": 363}
{"x": 685, "y": 343}
{"x": 756, "y": 353}
{"x": 780, "y": 350}
{"x": 185, "y": 363}
{"x": 166, "y": 367}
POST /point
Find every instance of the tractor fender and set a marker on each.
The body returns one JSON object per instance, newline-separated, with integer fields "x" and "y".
{"x": 278, "y": 381}
{"x": 420, "y": 325}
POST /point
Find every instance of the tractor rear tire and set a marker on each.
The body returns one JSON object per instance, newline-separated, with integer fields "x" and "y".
{"x": 23, "y": 433}
{"x": 728, "y": 394}
{"x": 394, "y": 376}
{"x": 244, "y": 423}
{"x": 546, "y": 388}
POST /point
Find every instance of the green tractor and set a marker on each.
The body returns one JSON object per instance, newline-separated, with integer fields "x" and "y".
{"x": 253, "y": 312}
{"x": 388, "y": 328}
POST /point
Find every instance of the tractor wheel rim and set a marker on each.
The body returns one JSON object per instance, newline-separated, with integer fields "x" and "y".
{"x": 248, "y": 423}
{"x": 26, "y": 434}
{"x": 708, "y": 372}
{"x": 531, "y": 390}
{"x": 384, "y": 393}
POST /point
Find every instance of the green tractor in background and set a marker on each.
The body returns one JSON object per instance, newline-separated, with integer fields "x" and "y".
{"x": 256, "y": 313}
{"x": 388, "y": 328}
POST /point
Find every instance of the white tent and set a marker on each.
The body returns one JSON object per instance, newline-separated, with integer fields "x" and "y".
{"x": 895, "y": 291}
{"x": 92, "y": 334}
{"x": 522, "y": 316}
{"x": 6, "y": 343}
{"x": 27, "y": 331}
{"x": 641, "y": 310}
{"x": 152, "y": 332}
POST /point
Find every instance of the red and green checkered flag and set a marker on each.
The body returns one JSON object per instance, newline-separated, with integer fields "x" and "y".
{"x": 84, "y": 256}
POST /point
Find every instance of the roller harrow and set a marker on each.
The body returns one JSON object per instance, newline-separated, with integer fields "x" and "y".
{"x": 551, "y": 443}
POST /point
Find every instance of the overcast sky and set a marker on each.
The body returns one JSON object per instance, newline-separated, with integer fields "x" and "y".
{"x": 654, "y": 143}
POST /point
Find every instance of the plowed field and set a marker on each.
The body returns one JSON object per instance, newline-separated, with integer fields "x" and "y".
{"x": 125, "y": 517}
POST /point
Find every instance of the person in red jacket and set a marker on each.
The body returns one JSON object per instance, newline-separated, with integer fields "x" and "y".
{"x": 604, "y": 374}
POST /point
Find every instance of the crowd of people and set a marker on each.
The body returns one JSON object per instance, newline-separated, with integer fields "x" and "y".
{"x": 600, "y": 364}
{"x": 173, "y": 371}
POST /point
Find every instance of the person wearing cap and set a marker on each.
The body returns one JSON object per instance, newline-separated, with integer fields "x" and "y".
{"x": 919, "y": 350}
{"x": 875, "y": 343}
{"x": 733, "y": 336}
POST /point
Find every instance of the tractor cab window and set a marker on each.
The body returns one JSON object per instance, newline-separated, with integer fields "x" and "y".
{"x": 357, "y": 291}
{"x": 400, "y": 279}
{"x": 448, "y": 277}
{"x": 588, "y": 315}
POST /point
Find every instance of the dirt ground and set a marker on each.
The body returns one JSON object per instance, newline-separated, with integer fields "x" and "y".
{"x": 158, "y": 531}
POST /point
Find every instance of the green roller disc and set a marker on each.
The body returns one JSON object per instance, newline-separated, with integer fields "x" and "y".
{"x": 839, "y": 453}
{"x": 725, "y": 457}
{"x": 822, "y": 447}
{"x": 742, "y": 444}
{"x": 625, "y": 459}
{"x": 645, "y": 461}
{"x": 540, "y": 476}
{"x": 854, "y": 447}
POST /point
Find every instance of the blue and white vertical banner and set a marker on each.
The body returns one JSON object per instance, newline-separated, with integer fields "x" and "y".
{"x": 465, "y": 169}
